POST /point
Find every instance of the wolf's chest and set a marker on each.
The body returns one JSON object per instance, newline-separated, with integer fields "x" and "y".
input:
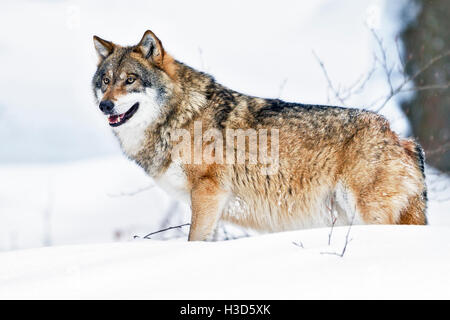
{"x": 174, "y": 182}
{"x": 131, "y": 138}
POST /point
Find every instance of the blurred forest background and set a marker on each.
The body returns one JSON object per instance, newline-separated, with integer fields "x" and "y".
{"x": 426, "y": 37}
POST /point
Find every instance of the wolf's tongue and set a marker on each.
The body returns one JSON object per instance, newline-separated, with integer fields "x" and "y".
{"x": 116, "y": 118}
{"x": 113, "y": 119}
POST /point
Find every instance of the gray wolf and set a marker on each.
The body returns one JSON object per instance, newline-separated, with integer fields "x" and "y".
{"x": 333, "y": 165}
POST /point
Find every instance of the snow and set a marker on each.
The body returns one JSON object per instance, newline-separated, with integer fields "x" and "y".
{"x": 381, "y": 262}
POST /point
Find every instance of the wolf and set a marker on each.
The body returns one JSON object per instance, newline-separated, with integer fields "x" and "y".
{"x": 335, "y": 165}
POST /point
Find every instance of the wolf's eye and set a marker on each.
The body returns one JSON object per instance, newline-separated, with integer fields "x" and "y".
{"x": 105, "y": 80}
{"x": 130, "y": 80}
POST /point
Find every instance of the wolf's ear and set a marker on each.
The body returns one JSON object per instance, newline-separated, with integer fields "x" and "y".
{"x": 151, "y": 47}
{"x": 104, "y": 48}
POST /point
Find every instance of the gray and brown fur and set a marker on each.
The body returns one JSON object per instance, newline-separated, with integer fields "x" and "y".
{"x": 331, "y": 158}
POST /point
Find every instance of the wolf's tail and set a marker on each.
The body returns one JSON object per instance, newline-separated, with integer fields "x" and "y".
{"x": 420, "y": 157}
{"x": 418, "y": 203}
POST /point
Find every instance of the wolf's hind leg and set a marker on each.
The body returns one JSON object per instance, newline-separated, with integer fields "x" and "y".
{"x": 414, "y": 213}
{"x": 366, "y": 205}
{"x": 388, "y": 201}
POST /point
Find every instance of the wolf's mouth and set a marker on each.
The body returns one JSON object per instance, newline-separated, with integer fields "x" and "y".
{"x": 119, "y": 119}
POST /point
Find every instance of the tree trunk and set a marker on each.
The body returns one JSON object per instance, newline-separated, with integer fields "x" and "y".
{"x": 429, "y": 111}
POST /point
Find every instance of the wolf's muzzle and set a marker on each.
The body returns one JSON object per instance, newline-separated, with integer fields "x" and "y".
{"x": 106, "y": 106}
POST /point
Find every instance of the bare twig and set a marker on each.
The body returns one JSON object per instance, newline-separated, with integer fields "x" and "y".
{"x": 359, "y": 85}
{"x": 333, "y": 219}
{"x": 383, "y": 62}
{"x": 298, "y": 244}
{"x": 281, "y": 87}
{"x": 342, "y": 94}
{"x": 333, "y": 223}
{"x": 163, "y": 230}
{"x": 400, "y": 87}
{"x": 327, "y": 77}
{"x": 132, "y": 193}
{"x": 347, "y": 240}
{"x": 441, "y": 149}
{"x": 428, "y": 87}
{"x": 403, "y": 63}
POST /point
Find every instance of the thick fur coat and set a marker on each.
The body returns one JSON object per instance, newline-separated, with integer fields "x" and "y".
{"x": 334, "y": 165}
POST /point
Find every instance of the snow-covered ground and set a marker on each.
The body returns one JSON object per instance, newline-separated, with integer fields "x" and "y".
{"x": 381, "y": 262}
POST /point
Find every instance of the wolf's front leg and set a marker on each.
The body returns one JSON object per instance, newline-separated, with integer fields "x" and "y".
{"x": 207, "y": 200}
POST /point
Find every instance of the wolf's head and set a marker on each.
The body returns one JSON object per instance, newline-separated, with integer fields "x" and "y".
{"x": 132, "y": 84}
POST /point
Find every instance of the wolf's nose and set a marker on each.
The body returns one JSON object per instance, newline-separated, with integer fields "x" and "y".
{"x": 106, "y": 106}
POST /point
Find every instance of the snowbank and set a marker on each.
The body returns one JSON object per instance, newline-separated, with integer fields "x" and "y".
{"x": 388, "y": 262}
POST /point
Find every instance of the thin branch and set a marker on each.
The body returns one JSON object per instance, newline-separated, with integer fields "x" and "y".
{"x": 347, "y": 240}
{"x": 163, "y": 230}
{"x": 132, "y": 193}
{"x": 298, "y": 244}
{"x": 428, "y": 87}
{"x": 343, "y": 94}
{"x": 327, "y": 77}
{"x": 281, "y": 87}
{"x": 384, "y": 63}
{"x": 333, "y": 219}
{"x": 403, "y": 63}
{"x": 441, "y": 149}
{"x": 361, "y": 86}
{"x": 333, "y": 223}
{"x": 413, "y": 77}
